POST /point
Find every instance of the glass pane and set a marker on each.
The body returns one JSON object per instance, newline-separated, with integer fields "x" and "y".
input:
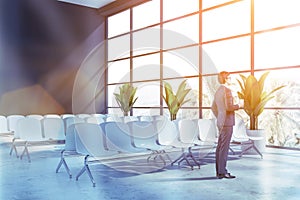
{"x": 207, "y": 114}
{"x": 181, "y": 32}
{"x": 275, "y": 13}
{"x": 288, "y": 96}
{"x": 150, "y": 9}
{"x": 277, "y": 48}
{"x": 226, "y": 21}
{"x": 189, "y": 113}
{"x": 119, "y": 71}
{"x": 119, "y": 23}
{"x": 182, "y": 62}
{"x": 210, "y": 85}
{"x": 146, "y": 112}
{"x": 146, "y": 67}
{"x": 111, "y": 101}
{"x": 115, "y": 112}
{"x": 211, "y": 3}
{"x": 118, "y": 47}
{"x": 227, "y": 55}
{"x": 148, "y": 94}
{"x": 146, "y": 41}
{"x": 281, "y": 127}
{"x": 176, "y": 8}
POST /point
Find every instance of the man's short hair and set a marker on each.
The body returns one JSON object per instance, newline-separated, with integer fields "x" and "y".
{"x": 223, "y": 76}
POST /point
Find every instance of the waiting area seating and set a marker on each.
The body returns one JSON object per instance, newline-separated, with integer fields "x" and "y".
{"x": 107, "y": 138}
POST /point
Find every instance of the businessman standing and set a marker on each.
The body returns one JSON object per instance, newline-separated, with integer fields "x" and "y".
{"x": 223, "y": 108}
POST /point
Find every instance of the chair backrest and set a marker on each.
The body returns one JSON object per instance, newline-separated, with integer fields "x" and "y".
{"x": 72, "y": 120}
{"x": 99, "y": 115}
{"x": 159, "y": 117}
{"x": 89, "y": 140}
{"x": 66, "y": 115}
{"x": 53, "y": 128}
{"x": 167, "y": 132}
{"x": 112, "y": 118}
{"x": 94, "y": 120}
{"x": 36, "y": 116}
{"x": 146, "y": 118}
{"x": 207, "y": 130}
{"x": 3, "y": 124}
{"x": 239, "y": 129}
{"x": 12, "y": 121}
{"x": 118, "y": 137}
{"x": 52, "y": 116}
{"x": 127, "y": 119}
{"x": 143, "y": 133}
{"x": 30, "y": 129}
{"x": 70, "y": 138}
{"x": 83, "y": 115}
{"x": 188, "y": 130}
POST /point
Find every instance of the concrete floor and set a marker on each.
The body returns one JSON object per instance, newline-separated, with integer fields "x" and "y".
{"x": 276, "y": 176}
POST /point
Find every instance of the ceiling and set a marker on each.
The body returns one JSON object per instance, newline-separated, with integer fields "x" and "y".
{"x": 89, "y": 3}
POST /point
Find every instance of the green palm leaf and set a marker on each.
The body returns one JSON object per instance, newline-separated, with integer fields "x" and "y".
{"x": 254, "y": 96}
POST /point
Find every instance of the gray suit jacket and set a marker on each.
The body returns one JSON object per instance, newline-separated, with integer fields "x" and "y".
{"x": 223, "y": 107}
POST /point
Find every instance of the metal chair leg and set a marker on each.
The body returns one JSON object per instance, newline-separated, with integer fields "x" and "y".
{"x": 63, "y": 162}
{"x": 25, "y": 151}
{"x": 87, "y": 169}
{"x": 13, "y": 148}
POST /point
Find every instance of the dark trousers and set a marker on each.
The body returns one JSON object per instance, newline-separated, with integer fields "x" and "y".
{"x": 225, "y": 134}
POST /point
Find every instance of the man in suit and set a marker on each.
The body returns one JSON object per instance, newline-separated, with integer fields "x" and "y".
{"x": 223, "y": 108}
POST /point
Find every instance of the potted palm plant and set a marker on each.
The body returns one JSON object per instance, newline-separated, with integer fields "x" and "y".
{"x": 255, "y": 98}
{"x": 125, "y": 98}
{"x": 175, "y": 101}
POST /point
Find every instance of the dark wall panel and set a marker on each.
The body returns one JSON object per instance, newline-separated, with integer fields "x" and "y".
{"x": 44, "y": 43}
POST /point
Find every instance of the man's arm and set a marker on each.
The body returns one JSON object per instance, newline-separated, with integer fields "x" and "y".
{"x": 214, "y": 108}
{"x": 229, "y": 101}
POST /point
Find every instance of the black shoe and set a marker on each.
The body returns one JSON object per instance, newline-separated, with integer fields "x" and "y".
{"x": 228, "y": 175}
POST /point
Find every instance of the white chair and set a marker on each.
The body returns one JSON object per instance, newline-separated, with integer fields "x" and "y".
{"x": 4, "y": 126}
{"x": 112, "y": 118}
{"x": 145, "y": 136}
{"x": 52, "y": 116}
{"x": 53, "y": 128}
{"x": 127, "y": 119}
{"x": 208, "y": 132}
{"x": 168, "y": 134}
{"x": 83, "y": 115}
{"x": 36, "y": 116}
{"x": 146, "y": 118}
{"x": 240, "y": 137}
{"x": 188, "y": 134}
{"x": 119, "y": 138}
{"x": 94, "y": 120}
{"x": 69, "y": 149}
{"x": 12, "y": 121}
{"x": 63, "y": 116}
{"x": 89, "y": 140}
{"x": 99, "y": 115}
{"x": 30, "y": 130}
{"x": 159, "y": 117}
{"x": 72, "y": 120}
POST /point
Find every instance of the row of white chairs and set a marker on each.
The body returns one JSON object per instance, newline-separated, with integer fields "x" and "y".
{"x": 29, "y": 131}
{"x": 151, "y": 138}
{"x": 8, "y": 123}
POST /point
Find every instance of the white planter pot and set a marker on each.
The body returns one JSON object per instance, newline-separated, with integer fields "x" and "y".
{"x": 259, "y": 137}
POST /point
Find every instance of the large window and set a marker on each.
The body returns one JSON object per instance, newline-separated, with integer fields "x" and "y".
{"x": 175, "y": 40}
